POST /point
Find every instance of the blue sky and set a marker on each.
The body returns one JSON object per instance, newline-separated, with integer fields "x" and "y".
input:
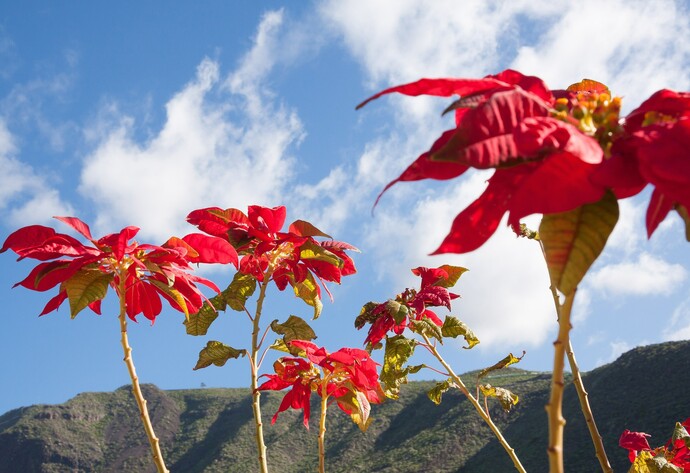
{"x": 136, "y": 114}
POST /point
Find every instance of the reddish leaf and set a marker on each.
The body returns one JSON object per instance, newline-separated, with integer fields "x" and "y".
{"x": 78, "y": 225}
{"x": 27, "y": 237}
{"x": 211, "y": 249}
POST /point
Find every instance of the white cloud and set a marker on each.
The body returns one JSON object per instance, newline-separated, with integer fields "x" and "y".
{"x": 25, "y": 197}
{"x": 230, "y": 152}
{"x": 632, "y": 46}
{"x": 649, "y": 275}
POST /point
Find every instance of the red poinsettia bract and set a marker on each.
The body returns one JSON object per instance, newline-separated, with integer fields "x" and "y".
{"x": 84, "y": 272}
{"x": 348, "y": 375}
{"x": 676, "y": 452}
{"x": 291, "y": 257}
{"x": 508, "y": 122}
{"x": 395, "y": 315}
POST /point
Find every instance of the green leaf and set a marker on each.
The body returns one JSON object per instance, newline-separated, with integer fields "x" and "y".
{"x": 358, "y": 404}
{"x": 240, "y": 289}
{"x": 306, "y": 229}
{"x": 312, "y": 250}
{"x": 454, "y": 273}
{"x": 398, "y": 311}
{"x": 504, "y": 396}
{"x": 84, "y": 287}
{"x": 453, "y": 327}
{"x": 280, "y": 345}
{"x": 294, "y": 328}
{"x": 505, "y": 362}
{"x": 427, "y": 327}
{"x": 645, "y": 462}
{"x": 436, "y": 393}
{"x": 573, "y": 240}
{"x": 681, "y": 433}
{"x": 398, "y": 350}
{"x": 308, "y": 291}
{"x": 218, "y": 354}
{"x": 366, "y": 316}
{"x": 199, "y": 322}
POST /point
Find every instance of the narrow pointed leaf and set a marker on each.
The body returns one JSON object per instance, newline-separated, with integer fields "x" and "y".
{"x": 436, "y": 393}
{"x": 85, "y": 287}
{"x": 308, "y": 291}
{"x": 306, "y": 229}
{"x": 510, "y": 359}
{"x": 294, "y": 328}
{"x": 454, "y": 273}
{"x": 217, "y": 353}
{"x": 453, "y": 327}
{"x": 573, "y": 240}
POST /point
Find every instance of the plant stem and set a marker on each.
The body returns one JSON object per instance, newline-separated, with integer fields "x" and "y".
{"x": 322, "y": 427}
{"x": 136, "y": 389}
{"x": 554, "y": 408}
{"x": 484, "y": 415}
{"x": 256, "y": 394}
{"x": 582, "y": 395}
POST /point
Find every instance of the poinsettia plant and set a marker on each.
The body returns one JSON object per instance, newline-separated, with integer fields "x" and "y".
{"x": 408, "y": 321}
{"x": 566, "y": 154}
{"x": 303, "y": 257}
{"x": 348, "y": 376}
{"x": 673, "y": 457}
{"x": 140, "y": 275}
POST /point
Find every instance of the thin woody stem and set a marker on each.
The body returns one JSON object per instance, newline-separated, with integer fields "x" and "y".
{"x": 554, "y": 408}
{"x": 484, "y": 415}
{"x": 582, "y": 394}
{"x": 136, "y": 389}
{"x": 322, "y": 426}
{"x": 256, "y": 394}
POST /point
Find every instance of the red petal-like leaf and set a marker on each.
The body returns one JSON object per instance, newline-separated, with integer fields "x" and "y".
{"x": 659, "y": 207}
{"x": 267, "y": 219}
{"x": 27, "y": 237}
{"x": 211, "y": 249}
{"x": 78, "y": 225}
{"x": 54, "y": 303}
{"x": 636, "y": 441}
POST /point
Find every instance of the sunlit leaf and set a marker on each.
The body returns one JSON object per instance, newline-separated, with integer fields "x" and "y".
{"x": 573, "y": 240}
{"x": 504, "y": 396}
{"x": 453, "y": 327}
{"x": 681, "y": 433}
{"x": 505, "y": 362}
{"x": 454, "y": 273}
{"x": 217, "y": 353}
{"x": 240, "y": 289}
{"x": 357, "y": 403}
{"x": 85, "y": 287}
{"x": 199, "y": 322}
{"x": 173, "y": 294}
{"x": 428, "y": 328}
{"x": 645, "y": 462}
{"x": 436, "y": 393}
{"x": 398, "y": 311}
{"x": 294, "y": 328}
{"x": 393, "y": 374}
{"x": 366, "y": 315}
{"x": 308, "y": 291}
{"x": 312, "y": 251}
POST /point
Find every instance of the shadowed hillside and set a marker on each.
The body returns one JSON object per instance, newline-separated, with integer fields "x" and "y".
{"x": 211, "y": 430}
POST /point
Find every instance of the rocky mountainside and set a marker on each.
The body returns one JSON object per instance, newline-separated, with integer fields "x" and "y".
{"x": 209, "y": 430}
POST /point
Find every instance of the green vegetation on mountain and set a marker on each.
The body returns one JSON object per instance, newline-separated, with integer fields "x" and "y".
{"x": 211, "y": 430}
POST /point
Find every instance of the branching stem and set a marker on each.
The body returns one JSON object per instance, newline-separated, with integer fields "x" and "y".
{"x": 461, "y": 386}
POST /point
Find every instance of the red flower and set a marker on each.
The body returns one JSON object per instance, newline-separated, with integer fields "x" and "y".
{"x": 634, "y": 442}
{"x": 515, "y": 125}
{"x": 294, "y": 257}
{"x": 85, "y": 272}
{"x": 347, "y": 373}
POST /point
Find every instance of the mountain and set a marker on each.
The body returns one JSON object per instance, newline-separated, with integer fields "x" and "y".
{"x": 212, "y": 430}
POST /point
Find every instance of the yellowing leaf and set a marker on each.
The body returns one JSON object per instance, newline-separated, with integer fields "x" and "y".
{"x": 453, "y": 327}
{"x": 436, "y": 393}
{"x": 306, "y": 229}
{"x": 360, "y": 408}
{"x": 198, "y": 323}
{"x": 294, "y": 328}
{"x": 454, "y": 273}
{"x": 573, "y": 240}
{"x": 428, "y": 328}
{"x": 174, "y": 294}
{"x": 398, "y": 350}
{"x": 308, "y": 291}
{"x": 397, "y": 310}
{"x": 240, "y": 289}
{"x": 85, "y": 287}
{"x": 645, "y": 462}
{"x": 218, "y": 354}
{"x": 311, "y": 250}
{"x": 504, "y": 396}
{"x": 505, "y": 362}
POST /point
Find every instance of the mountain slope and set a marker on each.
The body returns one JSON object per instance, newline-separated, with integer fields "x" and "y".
{"x": 211, "y": 430}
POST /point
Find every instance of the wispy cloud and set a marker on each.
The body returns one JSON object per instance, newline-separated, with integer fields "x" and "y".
{"x": 224, "y": 142}
{"x": 649, "y": 275}
{"x": 679, "y": 326}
